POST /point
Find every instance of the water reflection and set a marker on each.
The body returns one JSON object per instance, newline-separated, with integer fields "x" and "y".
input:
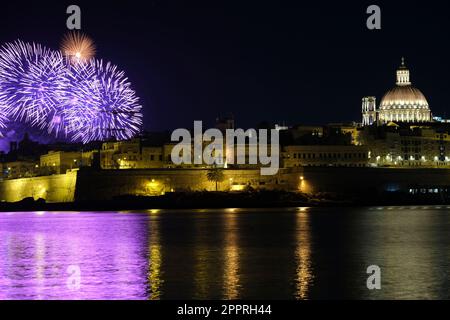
{"x": 231, "y": 257}
{"x": 40, "y": 262}
{"x": 209, "y": 250}
{"x": 202, "y": 256}
{"x": 411, "y": 249}
{"x": 305, "y": 275}
{"x": 155, "y": 259}
{"x": 36, "y": 251}
{"x": 304, "y": 253}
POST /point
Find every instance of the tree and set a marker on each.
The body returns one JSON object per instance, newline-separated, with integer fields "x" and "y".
{"x": 215, "y": 175}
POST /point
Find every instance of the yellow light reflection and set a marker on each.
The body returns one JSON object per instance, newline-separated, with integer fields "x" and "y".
{"x": 201, "y": 271}
{"x": 231, "y": 283}
{"x": 155, "y": 255}
{"x": 304, "y": 272}
{"x": 202, "y": 256}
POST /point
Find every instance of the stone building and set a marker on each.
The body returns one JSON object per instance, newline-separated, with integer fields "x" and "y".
{"x": 406, "y": 145}
{"x": 57, "y": 162}
{"x": 324, "y": 156}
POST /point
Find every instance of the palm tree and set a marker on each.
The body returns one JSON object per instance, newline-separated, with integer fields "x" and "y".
{"x": 215, "y": 175}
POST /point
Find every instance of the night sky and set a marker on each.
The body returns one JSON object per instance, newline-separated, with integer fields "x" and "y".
{"x": 278, "y": 61}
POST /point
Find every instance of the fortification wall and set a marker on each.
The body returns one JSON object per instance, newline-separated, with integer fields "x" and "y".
{"x": 106, "y": 184}
{"x": 147, "y": 182}
{"x": 89, "y": 184}
{"x": 54, "y": 188}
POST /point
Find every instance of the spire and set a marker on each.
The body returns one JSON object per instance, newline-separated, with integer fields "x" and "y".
{"x": 403, "y": 75}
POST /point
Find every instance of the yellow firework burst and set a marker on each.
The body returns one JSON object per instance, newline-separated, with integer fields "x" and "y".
{"x": 77, "y": 47}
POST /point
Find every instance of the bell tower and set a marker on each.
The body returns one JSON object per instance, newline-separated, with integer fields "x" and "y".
{"x": 369, "y": 111}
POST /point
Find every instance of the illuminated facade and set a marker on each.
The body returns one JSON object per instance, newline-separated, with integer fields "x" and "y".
{"x": 130, "y": 154}
{"x": 19, "y": 169}
{"x": 403, "y": 103}
{"x": 135, "y": 154}
{"x": 408, "y": 145}
{"x": 60, "y": 161}
{"x": 325, "y": 156}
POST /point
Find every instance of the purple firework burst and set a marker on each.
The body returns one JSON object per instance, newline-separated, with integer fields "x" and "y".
{"x": 101, "y": 104}
{"x": 82, "y": 102}
{"x": 32, "y": 81}
{"x": 3, "y": 118}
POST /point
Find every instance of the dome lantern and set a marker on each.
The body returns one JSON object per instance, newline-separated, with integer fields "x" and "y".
{"x": 403, "y": 75}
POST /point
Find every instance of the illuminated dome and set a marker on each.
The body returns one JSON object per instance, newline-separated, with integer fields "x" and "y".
{"x": 404, "y": 103}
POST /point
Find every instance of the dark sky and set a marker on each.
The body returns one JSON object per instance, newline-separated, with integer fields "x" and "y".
{"x": 298, "y": 62}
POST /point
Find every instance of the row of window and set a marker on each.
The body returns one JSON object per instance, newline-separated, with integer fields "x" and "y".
{"x": 419, "y": 142}
{"x": 410, "y": 142}
{"x": 345, "y": 155}
{"x": 413, "y": 150}
{"x": 153, "y": 157}
{"x": 407, "y": 157}
{"x": 426, "y": 190}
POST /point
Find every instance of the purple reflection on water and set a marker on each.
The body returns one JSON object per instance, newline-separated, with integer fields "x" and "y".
{"x": 110, "y": 249}
{"x": 274, "y": 253}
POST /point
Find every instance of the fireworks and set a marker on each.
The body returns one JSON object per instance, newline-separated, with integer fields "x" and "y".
{"x": 32, "y": 81}
{"x": 76, "y": 101}
{"x": 77, "y": 47}
{"x": 3, "y": 119}
{"x": 102, "y": 103}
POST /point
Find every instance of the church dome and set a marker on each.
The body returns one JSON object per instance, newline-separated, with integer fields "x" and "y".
{"x": 404, "y": 103}
{"x": 406, "y": 97}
